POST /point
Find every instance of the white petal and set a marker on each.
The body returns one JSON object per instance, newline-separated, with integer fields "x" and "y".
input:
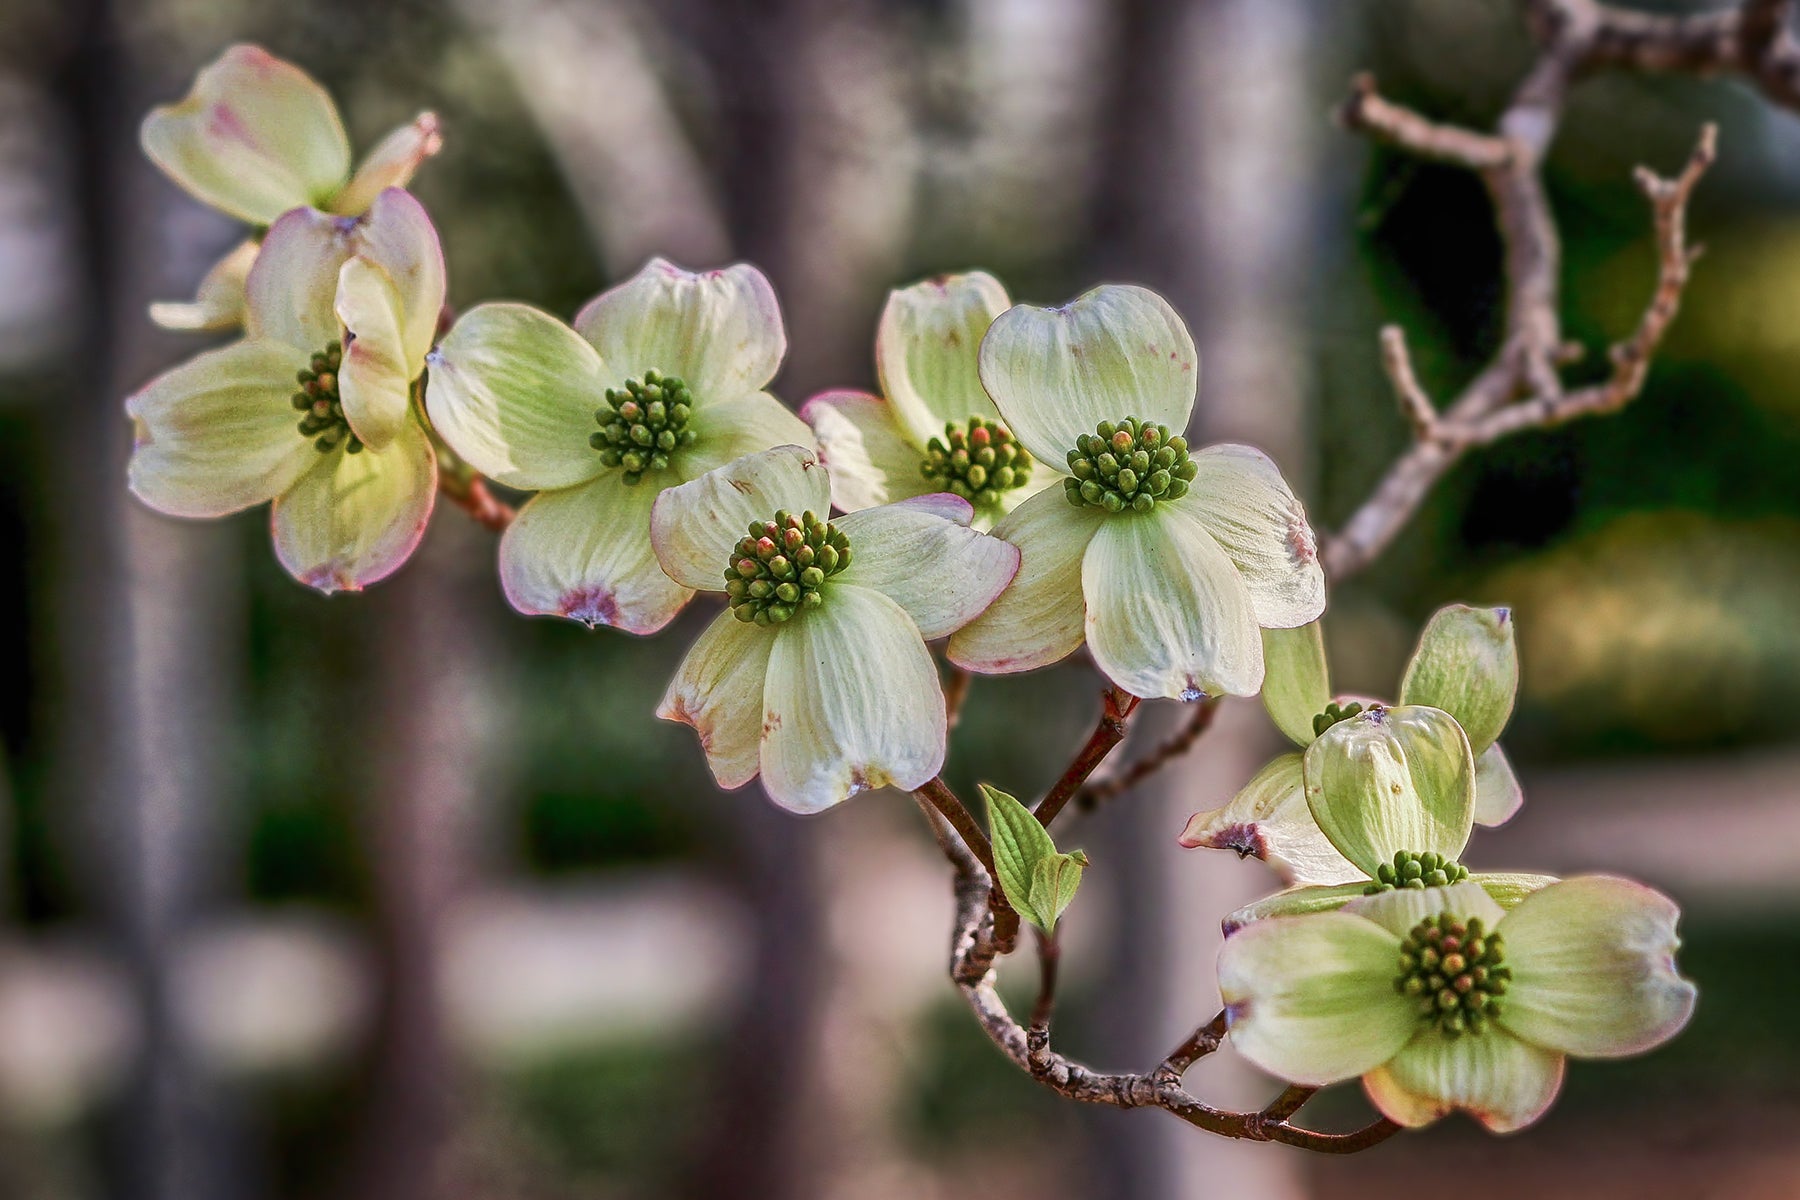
{"x": 1242, "y": 500}
{"x": 1296, "y": 683}
{"x": 513, "y": 391}
{"x": 217, "y": 433}
{"x": 1398, "y": 910}
{"x": 1501, "y": 1081}
{"x": 927, "y": 350}
{"x": 1311, "y": 999}
{"x": 922, "y": 554}
{"x": 734, "y": 428}
{"x": 373, "y": 382}
{"x": 1039, "y": 618}
{"x": 219, "y": 302}
{"x": 584, "y": 553}
{"x": 1497, "y": 792}
{"x": 390, "y": 164}
{"x": 719, "y": 331}
{"x": 1293, "y": 902}
{"x": 1117, "y": 351}
{"x": 1269, "y": 819}
{"x": 870, "y": 454}
{"x": 355, "y": 518}
{"x": 1466, "y": 663}
{"x": 1593, "y": 962}
{"x": 291, "y": 288}
{"x": 718, "y": 689}
{"x": 255, "y": 137}
{"x": 852, "y": 703}
{"x": 1390, "y": 780}
{"x": 398, "y": 237}
{"x": 1167, "y": 613}
{"x": 695, "y": 527}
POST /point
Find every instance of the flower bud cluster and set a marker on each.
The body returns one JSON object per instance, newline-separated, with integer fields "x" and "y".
{"x": 644, "y": 422}
{"x": 1418, "y": 871}
{"x": 1334, "y": 713}
{"x": 980, "y": 461}
{"x": 780, "y": 567}
{"x": 320, "y": 408}
{"x": 1453, "y": 970}
{"x": 1128, "y": 465}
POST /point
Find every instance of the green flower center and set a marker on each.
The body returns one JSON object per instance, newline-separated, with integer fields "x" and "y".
{"x": 1333, "y": 714}
{"x": 780, "y": 568}
{"x": 980, "y": 461}
{"x": 1453, "y": 971}
{"x": 643, "y": 423}
{"x": 1409, "y": 870}
{"x": 320, "y": 407}
{"x": 1128, "y": 465}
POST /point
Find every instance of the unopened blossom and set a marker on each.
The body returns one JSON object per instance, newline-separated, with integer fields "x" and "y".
{"x": 660, "y": 381}
{"x": 1443, "y": 1001}
{"x": 312, "y": 408}
{"x": 1391, "y": 792}
{"x": 1466, "y": 663}
{"x": 933, "y": 428}
{"x": 1165, "y": 561}
{"x": 816, "y": 675}
{"x": 255, "y": 137}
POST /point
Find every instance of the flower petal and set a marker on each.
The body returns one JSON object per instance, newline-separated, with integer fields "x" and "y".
{"x": 1241, "y": 499}
{"x": 1118, "y": 351}
{"x": 584, "y": 553}
{"x": 748, "y": 425}
{"x": 355, "y": 518}
{"x": 390, "y": 164}
{"x": 1167, "y": 613}
{"x": 1397, "y": 910}
{"x": 852, "y": 702}
{"x": 921, "y": 554}
{"x": 1508, "y": 888}
{"x": 1311, "y": 999}
{"x": 398, "y": 237}
{"x": 719, "y": 331}
{"x": 372, "y": 380}
{"x": 1497, "y": 792}
{"x": 255, "y": 137}
{"x": 219, "y": 302}
{"x": 1593, "y": 962}
{"x": 1501, "y": 1081}
{"x": 870, "y": 454}
{"x": 1466, "y": 663}
{"x": 718, "y": 689}
{"x": 927, "y": 350}
{"x": 695, "y": 527}
{"x": 1269, "y": 818}
{"x": 217, "y": 433}
{"x": 1296, "y": 683}
{"x": 1040, "y": 617}
{"x": 513, "y": 391}
{"x": 292, "y": 287}
{"x": 1293, "y": 902}
{"x": 1390, "y": 780}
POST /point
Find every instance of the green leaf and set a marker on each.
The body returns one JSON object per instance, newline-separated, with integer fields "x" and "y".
{"x": 1467, "y": 664}
{"x": 1021, "y": 844}
{"x": 1053, "y": 884}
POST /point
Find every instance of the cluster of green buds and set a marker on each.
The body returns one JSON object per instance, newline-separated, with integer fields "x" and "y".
{"x": 1334, "y": 713}
{"x": 980, "y": 461}
{"x": 779, "y": 568}
{"x": 1418, "y": 871}
{"x": 1128, "y": 465}
{"x": 1453, "y": 970}
{"x": 644, "y": 422}
{"x": 320, "y": 408}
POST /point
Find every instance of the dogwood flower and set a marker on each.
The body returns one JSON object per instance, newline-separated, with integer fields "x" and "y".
{"x": 1164, "y": 561}
{"x": 1466, "y": 663}
{"x": 1391, "y": 791}
{"x": 816, "y": 676}
{"x": 312, "y": 407}
{"x": 254, "y": 138}
{"x": 933, "y": 429}
{"x": 660, "y": 381}
{"x": 1443, "y": 1001}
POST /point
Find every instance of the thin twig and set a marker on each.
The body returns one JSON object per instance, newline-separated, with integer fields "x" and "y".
{"x": 956, "y": 692}
{"x": 473, "y": 497}
{"x": 1116, "y": 708}
{"x": 1179, "y": 743}
{"x": 937, "y": 793}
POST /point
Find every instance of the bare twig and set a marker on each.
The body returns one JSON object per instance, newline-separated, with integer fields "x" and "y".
{"x": 1100, "y": 791}
{"x": 1415, "y": 405}
{"x": 1116, "y": 708}
{"x": 937, "y": 793}
{"x": 471, "y": 494}
{"x": 956, "y": 692}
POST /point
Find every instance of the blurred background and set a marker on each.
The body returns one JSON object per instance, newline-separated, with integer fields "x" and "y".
{"x": 400, "y": 895}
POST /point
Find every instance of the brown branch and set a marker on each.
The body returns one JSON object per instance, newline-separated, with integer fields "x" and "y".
{"x": 937, "y": 793}
{"x": 471, "y": 494}
{"x": 1116, "y": 708}
{"x": 956, "y": 692}
{"x": 1366, "y": 112}
{"x": 1179, "y": 743}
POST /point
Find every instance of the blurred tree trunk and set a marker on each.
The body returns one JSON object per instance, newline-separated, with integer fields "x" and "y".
{"x": 1211, "y": 103}
{"x": 148, "y": 623}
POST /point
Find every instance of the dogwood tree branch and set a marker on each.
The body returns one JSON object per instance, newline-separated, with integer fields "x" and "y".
{"x": 1199, "y": 720}
{"x": 470, "y": 493}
